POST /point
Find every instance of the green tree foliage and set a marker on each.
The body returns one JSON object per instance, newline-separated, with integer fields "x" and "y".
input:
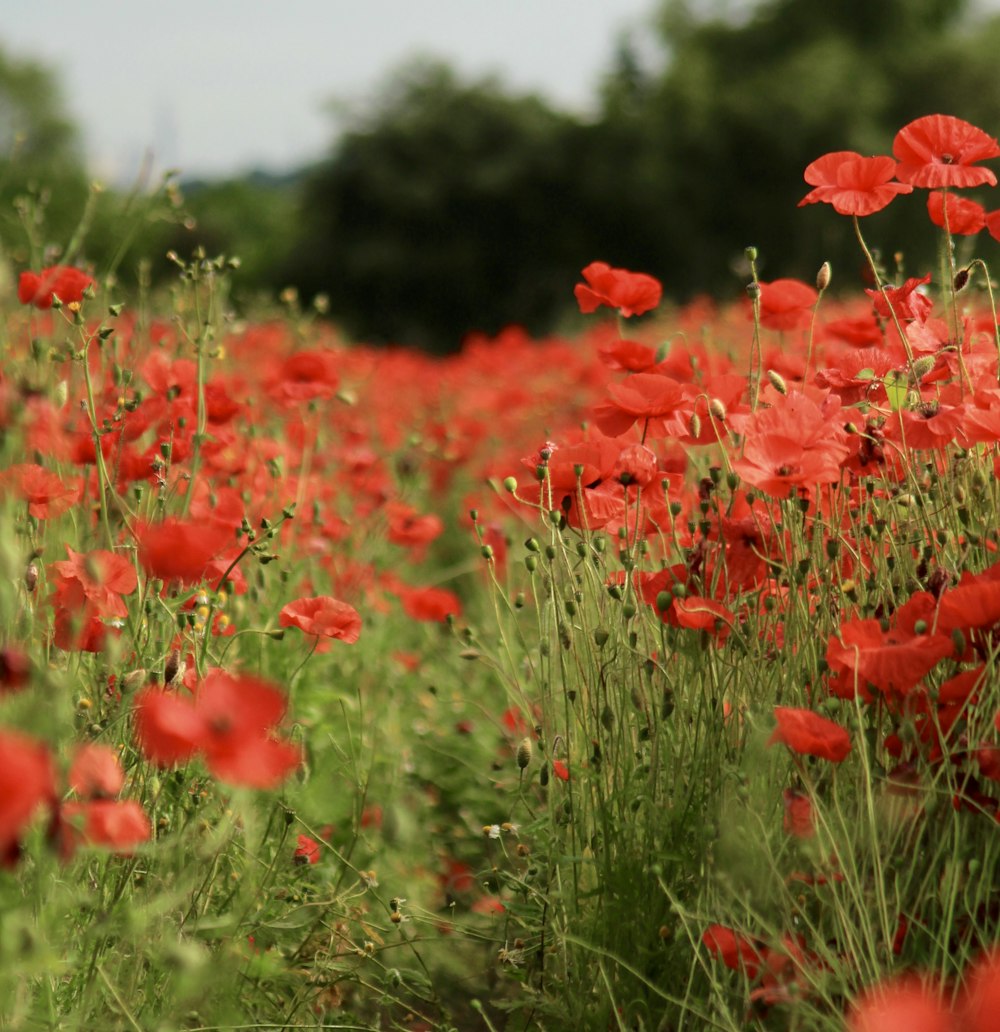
{"x": 742, "y": 108}
{"x": 40, "y": 163}
{"x": 446, "y": 208}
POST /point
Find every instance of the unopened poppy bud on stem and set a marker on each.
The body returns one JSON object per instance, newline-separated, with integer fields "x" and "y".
{"x": 718, "y": 409}
{"x": 777, "y": 381}
{"x": 823, "y": 277}
{"x": 961, "y": 278}
{"x": 524, "y": 751}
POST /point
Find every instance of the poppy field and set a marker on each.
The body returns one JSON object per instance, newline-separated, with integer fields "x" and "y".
{"x": 639, "y": 678}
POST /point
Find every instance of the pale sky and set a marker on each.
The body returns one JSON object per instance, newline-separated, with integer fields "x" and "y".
{"x": 220, "y": 86}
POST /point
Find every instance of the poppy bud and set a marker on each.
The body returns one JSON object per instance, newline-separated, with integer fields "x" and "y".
{"x": 922, "y": 366}
{"x": 823, "y": 277}
{"x": 510, "y": 485}
{"x": 31, "y": 576}
{"x": 961, "y": 278}
{"x": 694, "y": 424}
{"x": 718, "y": 410}
{"x": 524, "y": 751}
{"x": 777, "y": 381}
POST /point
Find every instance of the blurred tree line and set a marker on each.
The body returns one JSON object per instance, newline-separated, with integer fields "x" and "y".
{"x": 447, "y": 206}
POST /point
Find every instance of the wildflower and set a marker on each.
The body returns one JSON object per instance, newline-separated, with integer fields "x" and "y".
{"x": 323, "y": 616}
{"x": 116, "y": 825}
{"x": 904, "y": 1005}
{"x": 979, "y": 1003}
{"x": 46, "y": 493}
{"x": 736, "y": 951}
{"x": 908, "y": 301}
{"x": 306, "y": 850}
{"x": 180, "y": 549}
{"x": 809, "y": 734}
{"x": 940, "y": 150}
{"x": 27, "y": 784}
{"x": 96, "y": 772}
{"x": 965, "y": 217}
{"x": 798, "y": 816}
{"x": 230, "y": 722}
{"x": 62, "y": 281}
{"x": 853, "y": 184}
{"x": 632, "y": 293}
{"x": 560, "y": 770}
{"x": 430, "y": 604}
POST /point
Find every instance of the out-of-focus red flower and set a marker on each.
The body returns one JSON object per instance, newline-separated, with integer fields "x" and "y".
{"x": 305, "y": 376}
{"x": 409, "y": 528}
{"x": 27, "y": 783}
{"x": 798, "y": 816}
{"x": 644, "y": 396}
{"x": 736, "y": 951}
{"x": 62, "y": 281}
{"x": 560, "y": 770}
{"x": 940, "y": 150}
{"x": 853, "y": 184}
{"x": 809, "y": 734}
{"x": 238, "y": 714}
{"x": 786, "y": 304}
{"x": 118, "y": 826}
{"x": 15, "y": 669}
{"x": 96, "y": 772}
{"x": 47, "y": 494}
{"x": 230, "y": 722}
{"x": 905, "y": 1005}
{"x": 323, "y": 616}
{"x": 99, "y": 579}
{"x": 965, "y": 217}
{"x": 430, "y": 604}
{"x": 168, "y": 729}
{"x": 306, "y": 850}
{"x": 978, "y": 1007}
{"x": 632, "y": 293}
{"x": 180, "y": 549}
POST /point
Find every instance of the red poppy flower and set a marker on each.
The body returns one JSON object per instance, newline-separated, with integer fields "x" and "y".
{"x": 905, "y": 1005}
{"x": 641, "y": 397}
{"x": 409, "y": 528}
{"x": 965, "y": 217}
{"x": 786, "y": 304}
{"x": 809, "y": 734}
{"x": 238, "y": 714}
{"x": 632, "y": 293}
{"x": 167, "y": 728}
{"x": 853, "y": 184}
{"x": 96, "y": 772}
{"x": 431, "y": 604}
{"x": 27, "y": 783}
{"x": 45, "y": 492}
{"x": 794, "y": 444}
{"x": 940, "y": 150}
{"x": 97, "y": 579}
{"x": 180, "y": 549}
{"x": 798, "y": 816}
{"x": 560, "y": 770}
{"x": 736, "y": 951}
{"x": 323, "y": 616}
{"x": 979, "y": 1003}
{"x": 993, "y": 224}
{"x": 306, "y": 850}
{"x": 64, "y": 282}
{"x": 230, "y": 722}
{"x": 118, "y": 826}
{"x": 907, "y": 301}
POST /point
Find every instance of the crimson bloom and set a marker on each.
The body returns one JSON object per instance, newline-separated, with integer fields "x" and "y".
{"x": 230, "y": 722}
{"x": 940, "y": 150}
{"x": 632, "y": 293}
{"x": 180, "y": 549}
{"x": 786, "y": 304}
{"x": 306, "y": 850}
{"x": 809, "y": 734}
{"x": 734, "y": 950}
{"x": 46, "y": 493}
{"x": 905, "y": 1005}
{"x": 62, "y": 281}
{"x": 853, "y": 184}
{"x": 965, "y": 217}
{"x": 27, "y": 783}
{"x": 323, "y": 616}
